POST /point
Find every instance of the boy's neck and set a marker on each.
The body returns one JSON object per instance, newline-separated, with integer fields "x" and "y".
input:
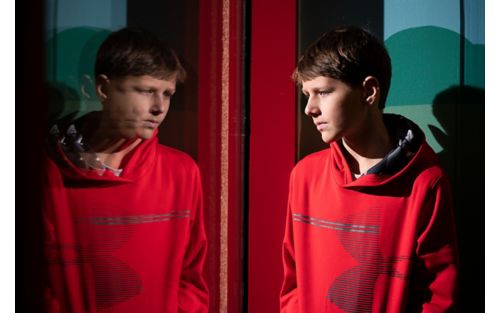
{"x": 111, "y": 151}
{"x": 367, "y": 146}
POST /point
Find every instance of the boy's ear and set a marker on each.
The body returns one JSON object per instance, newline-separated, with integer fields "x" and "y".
{"x": 371, "y": 90}
{"x": 101, "y": 87}
{"x": 86, "y": 87}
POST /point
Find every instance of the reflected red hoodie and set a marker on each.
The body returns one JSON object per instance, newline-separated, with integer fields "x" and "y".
{"x": 381, "y": 243}
{"x": 129, "y": 243}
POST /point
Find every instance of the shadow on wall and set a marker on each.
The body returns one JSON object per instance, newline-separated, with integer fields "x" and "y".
{"x": 69, "y": 74}
{"x": 460, "y": 110}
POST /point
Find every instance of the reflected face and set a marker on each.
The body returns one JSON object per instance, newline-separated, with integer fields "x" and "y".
{"x": 336, "y": 108}
{"x": 134, "y": 106}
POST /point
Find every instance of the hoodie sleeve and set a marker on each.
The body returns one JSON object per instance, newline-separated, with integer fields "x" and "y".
{"x": 289, "y": 301}
{"x": 437, "y": 252}
{"x": 193, "y": 292}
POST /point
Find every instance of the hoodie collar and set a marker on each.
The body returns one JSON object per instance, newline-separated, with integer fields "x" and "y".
{"x": 409, "y": 140}
{"x": 77, "y": 161}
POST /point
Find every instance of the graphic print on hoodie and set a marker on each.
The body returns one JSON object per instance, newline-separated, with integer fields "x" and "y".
{"x": 359, "y": 235}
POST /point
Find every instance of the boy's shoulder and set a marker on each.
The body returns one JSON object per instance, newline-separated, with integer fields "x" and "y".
{"x": 174, "y": 156}
{"x": 313, "y": 161}
{"x": 428, "y": 169}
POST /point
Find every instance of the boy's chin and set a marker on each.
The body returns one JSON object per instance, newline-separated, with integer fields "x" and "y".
{"x": 145, "y": 134}
{"x": 137, "y": 134}
{"x": 327, "y": 139}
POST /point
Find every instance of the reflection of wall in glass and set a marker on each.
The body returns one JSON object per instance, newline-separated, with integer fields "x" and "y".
{"x": 70, "y": 71}
{"x": 63, "y": 14}
{"x": 74, "y": 31}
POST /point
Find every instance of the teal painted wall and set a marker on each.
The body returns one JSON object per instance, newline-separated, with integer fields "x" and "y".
{"x": 424, "y": 41}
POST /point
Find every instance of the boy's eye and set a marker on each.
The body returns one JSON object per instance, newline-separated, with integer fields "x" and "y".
{"x": 168, "y": 93}
{"x": 144, "y": 91}
{"x": 324, "y": 92}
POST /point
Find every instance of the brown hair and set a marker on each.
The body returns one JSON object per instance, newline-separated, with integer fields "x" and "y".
{"x": 349, "y": 54}
{"x": 137, "y": 52}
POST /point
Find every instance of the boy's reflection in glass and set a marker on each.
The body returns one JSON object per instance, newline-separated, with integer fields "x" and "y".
{"x": 122, "y": 213}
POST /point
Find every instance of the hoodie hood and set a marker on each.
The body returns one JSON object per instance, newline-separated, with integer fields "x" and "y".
{"x": 68, "y": 149}
{"x": 410, "y": 151}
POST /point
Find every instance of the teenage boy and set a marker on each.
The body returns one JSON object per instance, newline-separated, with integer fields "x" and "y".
{"x": 370, "y": 225}
{"x": 123, "y": 214}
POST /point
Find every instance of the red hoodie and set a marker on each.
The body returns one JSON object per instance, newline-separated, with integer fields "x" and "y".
{"x": 133, "y": 243}
{"x": 380, "y": 243}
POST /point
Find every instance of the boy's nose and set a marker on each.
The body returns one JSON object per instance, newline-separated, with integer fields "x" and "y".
{"x": 312, "y": 108}
{"x": 160, "y": 105}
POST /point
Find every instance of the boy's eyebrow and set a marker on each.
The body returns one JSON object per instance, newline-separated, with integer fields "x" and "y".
{"x": 151, "y": 86}
{"x": 313, "y": 89}
{"x": 144, "y": 87}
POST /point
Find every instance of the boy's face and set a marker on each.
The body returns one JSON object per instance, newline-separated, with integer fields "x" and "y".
{"x": 134, "y": 106}
{"x": 336, "y": 108}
